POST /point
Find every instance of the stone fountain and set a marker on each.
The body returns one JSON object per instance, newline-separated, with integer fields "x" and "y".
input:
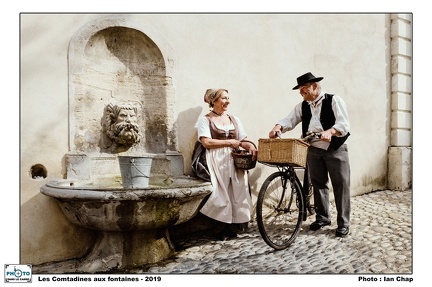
{"x": 132, "y": 221}
{"x": 121, "y": 103}
{"x": 132, "y": 224}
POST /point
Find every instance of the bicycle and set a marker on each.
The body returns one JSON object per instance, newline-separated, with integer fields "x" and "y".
{"x": 283, "y": 203}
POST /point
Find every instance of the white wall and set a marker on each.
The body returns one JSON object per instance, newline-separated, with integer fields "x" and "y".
{"x": 256, "y": 57}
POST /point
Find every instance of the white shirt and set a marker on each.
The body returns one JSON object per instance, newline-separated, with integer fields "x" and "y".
{"x": 340, "y": 111}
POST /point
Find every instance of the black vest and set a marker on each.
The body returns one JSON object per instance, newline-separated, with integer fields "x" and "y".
{"x": 327, "y": 120}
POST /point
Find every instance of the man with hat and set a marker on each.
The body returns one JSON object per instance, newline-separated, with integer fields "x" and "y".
{"x": 328, "y": 155}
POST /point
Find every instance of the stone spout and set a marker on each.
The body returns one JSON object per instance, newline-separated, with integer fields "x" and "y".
{"x": 120, "y": 129}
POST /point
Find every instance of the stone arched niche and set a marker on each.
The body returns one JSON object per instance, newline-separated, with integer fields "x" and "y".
{"x": 115, "y": 60}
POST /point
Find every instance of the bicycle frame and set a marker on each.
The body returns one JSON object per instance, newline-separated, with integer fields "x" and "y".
{"x": 292, "y": 172}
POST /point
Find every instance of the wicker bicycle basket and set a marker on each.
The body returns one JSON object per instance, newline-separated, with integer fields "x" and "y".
{"x": 290, "y": 152}
{"x": 243, "y": 159}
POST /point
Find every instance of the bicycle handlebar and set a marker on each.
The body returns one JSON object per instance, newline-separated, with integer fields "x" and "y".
{"x": 310, "y": 135}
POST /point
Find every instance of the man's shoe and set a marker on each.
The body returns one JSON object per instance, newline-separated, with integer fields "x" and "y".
{"x": 342, "y": 231}
{"x": 318, "y": 225}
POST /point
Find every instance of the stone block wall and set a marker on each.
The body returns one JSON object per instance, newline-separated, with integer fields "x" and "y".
{"x": 401, "y": 124}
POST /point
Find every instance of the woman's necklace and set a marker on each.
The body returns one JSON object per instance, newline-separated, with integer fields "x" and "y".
{"x": 217, "y": 113}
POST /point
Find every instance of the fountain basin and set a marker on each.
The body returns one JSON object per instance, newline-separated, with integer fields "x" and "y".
{"x": 105, "y": 205}
{"x": 132, "y": 223}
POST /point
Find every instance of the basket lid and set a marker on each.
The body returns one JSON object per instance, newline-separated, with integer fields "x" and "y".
{"x": 269, "y": 140}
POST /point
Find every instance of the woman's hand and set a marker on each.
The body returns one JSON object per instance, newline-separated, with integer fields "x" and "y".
{"x": 254, "y": 153}
{"x": 234, "y": 143}
{"x": 250, "y": 148}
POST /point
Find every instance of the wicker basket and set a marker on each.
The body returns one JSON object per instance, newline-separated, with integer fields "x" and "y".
{"x": 290, "y": 152}
{"x": 243, "y": 159}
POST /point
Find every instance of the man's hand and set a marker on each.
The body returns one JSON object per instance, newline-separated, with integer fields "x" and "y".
{"x": 327, "y": 135}
{"x": 274, "y": 131}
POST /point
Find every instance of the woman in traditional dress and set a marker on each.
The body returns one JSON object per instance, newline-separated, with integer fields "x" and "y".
{"x": 220, "y": 133}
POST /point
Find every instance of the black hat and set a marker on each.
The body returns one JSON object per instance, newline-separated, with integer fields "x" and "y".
{"x": 306, "y": 78}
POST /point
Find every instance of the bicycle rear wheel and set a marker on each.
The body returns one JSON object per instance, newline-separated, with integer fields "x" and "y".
{"x": 279, "y": 210}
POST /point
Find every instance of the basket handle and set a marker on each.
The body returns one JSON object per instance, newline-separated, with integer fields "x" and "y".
{"x": 249, "y": 142}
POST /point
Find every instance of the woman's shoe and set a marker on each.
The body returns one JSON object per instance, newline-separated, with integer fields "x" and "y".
{"x": 230, "y": 234}
{"x": 220, "y": 236}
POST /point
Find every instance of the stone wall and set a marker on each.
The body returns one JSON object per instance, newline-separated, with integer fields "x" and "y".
{"x": 400, "y": 150}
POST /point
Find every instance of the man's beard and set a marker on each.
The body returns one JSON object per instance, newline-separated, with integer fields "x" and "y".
{"x": 125, "y": 133}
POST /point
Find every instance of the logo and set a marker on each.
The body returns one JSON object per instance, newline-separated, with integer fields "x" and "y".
{"x": 18, "y": 273}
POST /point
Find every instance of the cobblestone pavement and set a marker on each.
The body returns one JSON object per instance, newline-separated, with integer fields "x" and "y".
{"x": 380, "y": 242}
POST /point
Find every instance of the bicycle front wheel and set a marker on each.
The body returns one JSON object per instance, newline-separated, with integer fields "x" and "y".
{"x": 279, "y": 210}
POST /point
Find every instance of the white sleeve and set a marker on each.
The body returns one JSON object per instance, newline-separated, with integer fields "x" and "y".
{"x": 293, "y": 119}
{"x": 340, "y": 111}
{"x": 203, "y": 128}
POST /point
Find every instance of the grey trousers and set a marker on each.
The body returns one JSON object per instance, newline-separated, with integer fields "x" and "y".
{"x": 333, "y": 163}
